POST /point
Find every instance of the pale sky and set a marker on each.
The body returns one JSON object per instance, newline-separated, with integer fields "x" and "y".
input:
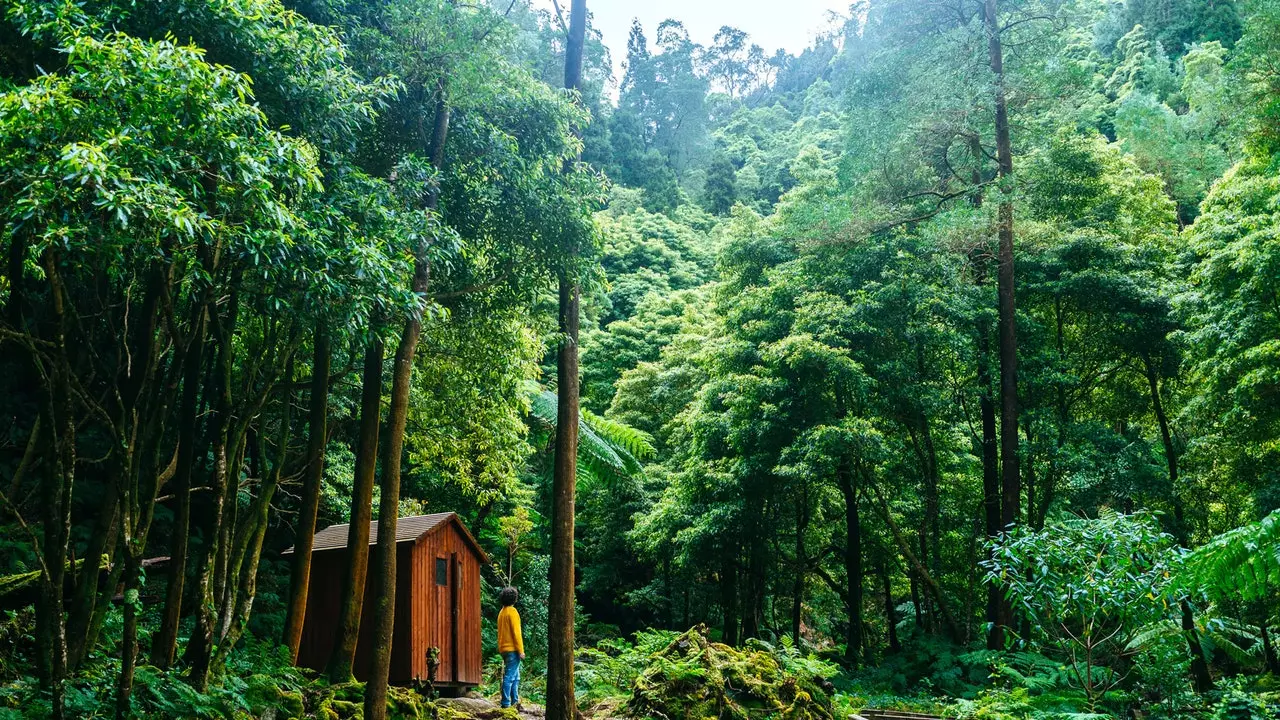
{"x": 772, "y": 24}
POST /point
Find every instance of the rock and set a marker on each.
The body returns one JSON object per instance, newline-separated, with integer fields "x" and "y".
{"x": 696, "y": 678}
{"x": 478, "y": 708}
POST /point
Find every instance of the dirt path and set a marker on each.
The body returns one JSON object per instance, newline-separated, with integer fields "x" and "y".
{"x": 482, "y": 709}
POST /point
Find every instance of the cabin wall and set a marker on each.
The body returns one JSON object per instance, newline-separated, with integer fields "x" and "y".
{"x": 432, "y": 603}
{"x": 319, "y": 631}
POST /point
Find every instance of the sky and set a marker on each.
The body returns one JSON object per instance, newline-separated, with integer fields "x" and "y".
{"x": 772, "y": 24}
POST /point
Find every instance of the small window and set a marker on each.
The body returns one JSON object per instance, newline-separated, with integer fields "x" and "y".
{"x": 442, "y": 571}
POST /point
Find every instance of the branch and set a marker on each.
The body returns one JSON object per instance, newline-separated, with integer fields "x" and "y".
{"x": 564, "y": 27}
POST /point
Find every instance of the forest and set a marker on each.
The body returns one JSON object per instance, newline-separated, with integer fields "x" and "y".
{"x": 932, "y": 368}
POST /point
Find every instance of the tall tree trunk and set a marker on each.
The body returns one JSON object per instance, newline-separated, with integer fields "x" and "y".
{"x": 318, "y": 428}
{"x": 57, "y": 497}
{"x": 1011, "y": 476}
{"x": 129, "y": 637}
{"x": 357, "y": 565}
{"x": 85, "y": 599}
{"x": 852, "y": 563}
{"x": 375, "y": 694}
{"x": 996, "y": 610}
{"x": 1201, "y": 677}
{"x": 561, "y": 704}
{"x": 757, "y": 556}
{"x": 1010, "y": 469}
{"x": 165, "y": 642}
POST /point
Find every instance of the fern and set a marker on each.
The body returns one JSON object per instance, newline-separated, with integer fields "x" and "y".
{"x": 606, "y": 448}
{"x": 1242, "y": 564}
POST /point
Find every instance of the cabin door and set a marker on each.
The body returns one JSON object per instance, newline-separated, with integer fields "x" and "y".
{"x": 454, "y": 599}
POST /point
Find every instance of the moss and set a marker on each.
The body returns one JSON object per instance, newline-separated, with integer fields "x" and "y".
{"x": 347, "y": 710}
{"x": 696, "y": 678}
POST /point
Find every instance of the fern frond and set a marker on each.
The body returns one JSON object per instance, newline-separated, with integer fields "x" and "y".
{"x": 1242, "y": 564}
{"x": 605, "y": 447}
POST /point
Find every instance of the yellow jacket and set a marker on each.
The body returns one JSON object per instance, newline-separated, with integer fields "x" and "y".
{"x": 510, "y": 638}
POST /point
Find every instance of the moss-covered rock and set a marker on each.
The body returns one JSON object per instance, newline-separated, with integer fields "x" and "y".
{"x": 696, "y": 678}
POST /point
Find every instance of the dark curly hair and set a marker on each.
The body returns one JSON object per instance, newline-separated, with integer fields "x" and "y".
{"x": 508, "y": 596}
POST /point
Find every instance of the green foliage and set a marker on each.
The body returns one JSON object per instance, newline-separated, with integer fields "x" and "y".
{"x": 1088, "y": 586}
{"x": 1241, "y": 564}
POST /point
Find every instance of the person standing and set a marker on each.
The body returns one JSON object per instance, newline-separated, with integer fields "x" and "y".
{"x": 510, "y": 646}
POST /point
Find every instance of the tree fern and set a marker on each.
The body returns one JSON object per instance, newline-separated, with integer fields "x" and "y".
{"x": 1242, "y": 564}
{"x": 606, "y": 448}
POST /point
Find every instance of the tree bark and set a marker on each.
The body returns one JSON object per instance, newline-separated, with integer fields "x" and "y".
{"x": 561, "y": 704}
{"x": 57, "y": 497}
{"x": 225, "y": 462}
{"x": 1011, "y": 477}
{"x": 890, "y": 614}
{"x": 729, "y": 593}
{"x": 852, "y": 564}
{"x": 375, "y": 694}
{"x": 246, "y": 549}
{"x": 85, "y": 599}
{"x": 353, "y": 580}
{"x": 935, "y": 591}
{"x": 1201, "y": 677}
{"x": 300, "y": 578}
{"x": 801, "y": 565}
{"x": 1010, "y": 470}
{"x": 165, "y": 643}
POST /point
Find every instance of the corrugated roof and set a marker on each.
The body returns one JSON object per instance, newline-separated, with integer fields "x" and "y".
{"x": 407, "y": 528}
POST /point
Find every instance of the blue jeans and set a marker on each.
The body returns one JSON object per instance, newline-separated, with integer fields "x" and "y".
{"x": 510, "y": 679}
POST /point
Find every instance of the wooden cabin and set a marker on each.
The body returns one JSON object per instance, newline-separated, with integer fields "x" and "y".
{"x": 437, "y": 601}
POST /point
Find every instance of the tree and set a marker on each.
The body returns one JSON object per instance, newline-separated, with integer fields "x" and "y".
{"x": 561, "y": 704}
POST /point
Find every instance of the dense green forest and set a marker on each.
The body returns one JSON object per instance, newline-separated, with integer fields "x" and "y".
{"x": 935, "y": 367}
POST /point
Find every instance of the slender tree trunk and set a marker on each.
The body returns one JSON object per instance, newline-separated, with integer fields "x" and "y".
{"x": 375, "y": 695}
{"x": 1201, "y": 677}
{"x": 300, "y": 579}
{"x": 129, "y": 637}
{"x": 1010, "y": 469}
{"x": 85, "y": 599}
{"x": 57, "y": 497}
{"x": 935, "y": 591}
{"x": 246, "y": 549}
{"x": 1269, "y": 655}
{"x": 890, "y": 614}
{"x": 225, "y": 462}
{"x": 353, "y": 580}
{"x": 561, "y": 704}
{"x": 852, "y": 563}
{"x": 729, "y": 593}
{"x": 1011, "y": 476}
{"x": 801, "y": 566}
{"x": 165, "y": 642}
{"x": 754, "y": 585}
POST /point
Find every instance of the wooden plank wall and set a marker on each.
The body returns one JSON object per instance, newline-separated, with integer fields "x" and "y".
{"x": 319, "y": 632}
{"x": 432, "y": 612}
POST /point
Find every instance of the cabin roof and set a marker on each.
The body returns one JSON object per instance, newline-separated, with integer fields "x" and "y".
{"x": 408, "y": 529}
